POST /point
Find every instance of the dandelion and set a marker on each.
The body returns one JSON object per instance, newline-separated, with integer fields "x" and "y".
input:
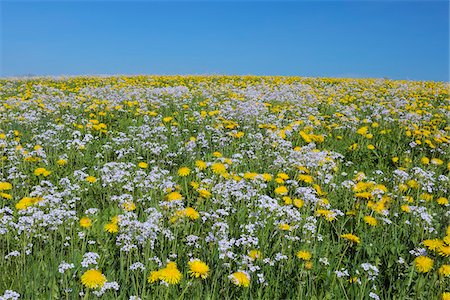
{"x": 444, "y": 251}
{"x": 170, "y": 273}
{"x": 370, "y": 220}
{"x": 423, "y": 264}
{"x": 184, "y": 171}
{"x": 5, "y": 186}
{"x": 240, "y": 278}
{"x": 111, "y": 228}
{"x": 218, "y": 168}
{"x": 255, "y": 254}
{"x": 351, "y": 237}
{"x": 191, "y": 213}
{"x": 200, "y": 164}
{"x": 174, "y": 196}
{"x": 143, "y": 165}
{"x": 281, "y": 190}
{"x": 91, "y": 179}
{"x": 93, "y": 279}
{"x": 444, "y": 270}
{"x": 433, "y": 244}
{"x": 304, "y": 255}
{"x": 85, "y": 222}
{"x": 197, "y": 269}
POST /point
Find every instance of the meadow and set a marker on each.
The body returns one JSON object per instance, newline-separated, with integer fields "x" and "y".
{"x": 224, "y": 187}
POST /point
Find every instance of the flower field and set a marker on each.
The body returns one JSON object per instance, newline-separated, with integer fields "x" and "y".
{"x": 224, "y": 187}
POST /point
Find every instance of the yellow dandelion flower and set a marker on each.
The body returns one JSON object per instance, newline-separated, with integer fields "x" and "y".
{"x": 254, "y": 254}
{"x": 370, "y": 220}
{"x": 240, "y": 279}
{"x": 442, "y": 201}
{"x": 61, "y": 162}
{"x": 284, "y": 227}
{"x": 200, "y": 164}
{"x": 444, "y": 251}
{"x": 143, "y": 165}
{"x": 444, "y": 270}
{"x": 445, "y": 295}
{"x": 204, "y": 193}
{"x": 217, "y": 154}
{"x": 85, "y": 222}
{"x": 91, "y": 179}
{"x": 170, "y": 274}
{"x": 351, "y": 237}
{"x": 174, "y": 196}
{"x": 304, "y": 255}
{"x": 93, "y": 279}
{"x": 281, "y": 190}
{"x": 298, "y": 202}
{"x": 111, "y": 228}
{"x": 433, "y": 244}
{"x": 129, "y": 206}
{"x": 218, "y": 168}
{"x": 423, "y": 264}
{"x": 153, "y": 277}
{"x": 184, "y": 171}
{"x": 197, "y": 269}
{"x": 5, "y": 186}
{"x": 191, "y": 213}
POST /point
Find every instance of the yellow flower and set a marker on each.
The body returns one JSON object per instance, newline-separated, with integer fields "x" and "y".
{"x": 197, "y": 269}
{"x": 284, "y": 227}
{"x": 370, "y": 220}
{"x": 217, "y": 154}
{"x": 304, "y": 255}
{"x": 267, "y": 177}
{"x": 425, "y": 160}
{"x": 445, "y": 296}
{"x": 204, "y": 193}
{"x": 91, "y": 179}
{"x": 153, "y": 277}
{"x": 305, "y": 178}
{"x": 93, "y": 279}
{"x": 85, "y": 222}
{"x": 129, "y": 206}
{"x": 281, "y": 190}
{"x": 218, "y": 168}
{"x": 298, "y": 202}
{"x": 41, "y": 171}
{"x": 111, "y": 227}
{"x": 143, "y": 165}
{"x": 240, "y": 279}
{"x": 174, "y": 196}
{"x": 5, "y": 186}
{"x": 436, "y": 161}
{"x": 444, "y": 270}
{"x": 351, "y": 237}
{"x": 433, "y": 244}
{"x": 255, "y": 254}
{"x": 191, "y": 213}
{"x": 423, "y": 264}
{"x": 442, "y": 201}
{"x": 200, "y": 164}
{"x": 184, "y": 171}
{"x": 61, "y": 162}
{"x": 170, "y": 274}
{"x": 6, "y": 196}
{"x": 371, "y": 147}
{"x": 444, "y": 251}
{"x": 283, "y": 176}
{"x": 362, "y": 130}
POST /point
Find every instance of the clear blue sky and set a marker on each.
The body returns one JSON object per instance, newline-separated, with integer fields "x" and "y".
{"x": 394, "y": 39}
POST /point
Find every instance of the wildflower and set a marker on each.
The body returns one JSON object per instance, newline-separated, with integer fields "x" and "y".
{"x": 197, "y": 269}
{"x": 170, "y": 273}
{"x": 304, "y": 255}
{"x": 371, "y": 147}
{"x": 442, "y": 201}
{"x": 351, "y": 237}
{"x": 85, "y": 222}
{"x": 191, "y": 213}
{"x": 91, "y": 179}
{"x": 445, "y": 296}
{"x": 255, "y": 254}
{"x": 444, "y": 251}
{"x": 111, "y": 227}
{"x": 143, "y": 165}
{"x": 93, "y": 279}
{"x": 218, "y": 168}
{"x": 281, "y": 190}
{"x": 370, "y": 220}
{"x": 153, "y": 277}
{"x": 41, "y": 171}
{"x": 5, "y": 186}
{"x": 423, "y": 264}
{"x": 200, "y": 164}
{"x": 174, "y": 196}
{"x": 298, "y": 203}
{"x": 444, "y": 270}
{"x": 184, "y": 171}
{"x": 61, "y": 162}
{"x": 6, "y": 196}
{"x": 204, "y": 193}
{"x": 240, "y": 278}
{"x": 433, "y": 244}
{"x": 284, "y": 227}
{"x": 129, "y": 206}
{"x": 436, "y": 161}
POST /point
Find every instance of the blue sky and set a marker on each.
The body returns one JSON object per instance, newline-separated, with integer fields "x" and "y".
{"x": 394, "y": 39}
